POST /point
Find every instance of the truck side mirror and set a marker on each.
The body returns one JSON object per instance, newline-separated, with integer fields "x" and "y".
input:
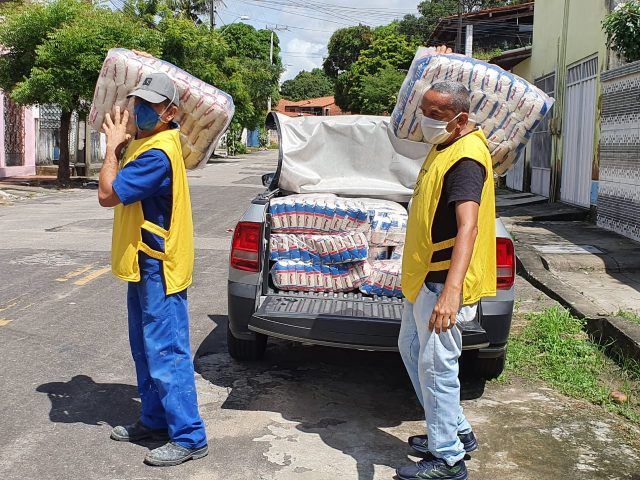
{"x": 267, "y": 179}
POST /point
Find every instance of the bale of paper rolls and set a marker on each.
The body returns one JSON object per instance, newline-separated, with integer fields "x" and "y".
{"x": 204, "y": 113}
{"x": 325, "y": 243}
{"x": 505, "y": 106}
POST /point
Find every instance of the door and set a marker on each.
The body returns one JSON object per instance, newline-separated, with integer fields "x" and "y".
{"x": 541, "y": 142}
{"x": 578, "y": 133}
{"x": 515, "y": 176}
{"x": 13, "y": 133}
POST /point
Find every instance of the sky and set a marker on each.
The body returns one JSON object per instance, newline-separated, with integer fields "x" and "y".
{"x": 310, "y": 23}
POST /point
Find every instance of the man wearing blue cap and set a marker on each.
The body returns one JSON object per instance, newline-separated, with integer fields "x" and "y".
{"x": 152, "y": 249}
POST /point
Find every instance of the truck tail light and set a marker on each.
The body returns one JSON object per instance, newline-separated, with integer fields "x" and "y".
{"x": 506, "y": 263}
{"x": 245, "y": 247}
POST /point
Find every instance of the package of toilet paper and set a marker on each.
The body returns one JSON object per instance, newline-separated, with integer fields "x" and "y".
{"x": 506, "y": 107}
{"x": 292, "y": 275}
{"x": 326, "y": 249}
{"x": 384, "y": 222}
{"x": 318, "y": 213}
{"x": 388, "y": 222}
{"x": 204, "y": 113}
{"x": 384, "y": 279}
{"x": 378, "y": 253}
{"x": 397, "y": 252}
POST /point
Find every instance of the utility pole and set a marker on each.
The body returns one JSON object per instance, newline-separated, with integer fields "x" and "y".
{"x": 212, "y": 13}
{"x": 274, "y": 29}
{"x": 459, "y": 36}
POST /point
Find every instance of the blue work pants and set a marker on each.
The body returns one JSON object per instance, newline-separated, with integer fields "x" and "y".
{"x": 159, "y": 338}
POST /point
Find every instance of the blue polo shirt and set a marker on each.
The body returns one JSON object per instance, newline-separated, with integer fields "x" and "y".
{"x": 148, "y": 180}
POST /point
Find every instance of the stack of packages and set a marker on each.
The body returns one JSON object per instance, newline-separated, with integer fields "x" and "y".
{"x": 506, "y": 107}
{"x": 323, "y": 243}
{"x": 318, "y": 243}
{"x": 204, "y": 113}
{"x": 388, "y": 225}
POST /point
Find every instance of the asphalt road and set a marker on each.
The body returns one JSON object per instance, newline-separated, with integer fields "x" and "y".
{"x": 304, "y": 412}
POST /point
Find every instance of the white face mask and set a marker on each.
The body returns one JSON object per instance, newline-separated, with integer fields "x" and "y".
{"x": 435, "y": 131}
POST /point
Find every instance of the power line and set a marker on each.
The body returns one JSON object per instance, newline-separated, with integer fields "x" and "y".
{"x": 251, "y": 3}
{"x": 288, "y": 26}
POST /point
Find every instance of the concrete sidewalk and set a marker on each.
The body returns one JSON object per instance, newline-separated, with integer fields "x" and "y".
{"x": 593, "y": 272}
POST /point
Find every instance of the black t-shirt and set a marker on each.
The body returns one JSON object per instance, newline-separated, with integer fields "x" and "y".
{"x": 463, "y": 182}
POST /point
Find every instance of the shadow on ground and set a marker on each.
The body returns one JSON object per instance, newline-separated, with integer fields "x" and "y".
{"x": 348, "y": 398}
{"x": 81, "y": 400}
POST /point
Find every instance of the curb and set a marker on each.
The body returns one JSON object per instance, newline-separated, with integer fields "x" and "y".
{"x": 618, "y": 335}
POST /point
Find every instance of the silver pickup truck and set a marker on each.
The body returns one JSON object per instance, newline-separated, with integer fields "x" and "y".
{"x": 348, "y": 156}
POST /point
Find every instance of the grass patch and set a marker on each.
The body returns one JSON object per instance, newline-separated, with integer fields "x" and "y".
{"x": 554, "y": 348}
{"x": 629, "y": 316}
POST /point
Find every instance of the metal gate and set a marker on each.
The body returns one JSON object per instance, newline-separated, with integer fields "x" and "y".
{"x": 579, "y": 133}
{"x": 541, "y": 142}
{"x": 515, "y": 176}
{"x": 49, "y": 135}
{"x": 13, "y": 133}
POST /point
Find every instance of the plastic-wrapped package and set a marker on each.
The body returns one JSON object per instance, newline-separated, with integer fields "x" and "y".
{"x": 204, "y": 113}
{"x": 327, "y": 249}
{"x": 378, "y": 253}
{"x": 291, "y": 275}
{"x": 384, "y": 279}
{"x": 388, "y": 222}
{"x": 506, "y": 107}
{"x": 397, "y": 252}
{"x": 318, "y": 213}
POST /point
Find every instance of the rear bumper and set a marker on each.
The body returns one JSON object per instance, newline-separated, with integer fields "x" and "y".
{"x": 355, "y": 332}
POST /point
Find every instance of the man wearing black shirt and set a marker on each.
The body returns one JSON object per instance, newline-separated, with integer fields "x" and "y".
{"x": 448, "y": 265}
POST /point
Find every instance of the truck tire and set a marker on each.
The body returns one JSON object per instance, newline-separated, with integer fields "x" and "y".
{"x": 490, "y": 368}
{"x": 246, "y": 350}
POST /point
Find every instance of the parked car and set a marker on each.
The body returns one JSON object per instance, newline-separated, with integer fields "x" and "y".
{"x": 258, "y": 310}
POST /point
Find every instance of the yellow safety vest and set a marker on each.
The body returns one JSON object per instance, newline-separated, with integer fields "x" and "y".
{"x": 480, "y": 280}
{"x": 128, "y": 222}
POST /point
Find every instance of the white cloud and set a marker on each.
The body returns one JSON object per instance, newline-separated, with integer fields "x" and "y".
{"x": 302, "y": 55}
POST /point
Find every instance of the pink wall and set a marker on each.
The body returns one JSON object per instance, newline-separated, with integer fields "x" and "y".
{"x": 29, "y": 167}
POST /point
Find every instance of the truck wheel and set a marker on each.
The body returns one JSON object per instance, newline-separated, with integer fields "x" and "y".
{"x": 244, "y": 350}
{"x": 490, "y": 368}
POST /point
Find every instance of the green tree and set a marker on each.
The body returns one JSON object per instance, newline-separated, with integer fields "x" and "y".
{"x": 146, "y": 10}
{"x": 388, "y": 51}
{"x": 622, "y": 27}
{"x": 344, "y": 48}
{"x": 64, "y": 62}
{"x": 379, "y": 92}
{"x": 189, "y": 9}
{"x": 311, "y": 84}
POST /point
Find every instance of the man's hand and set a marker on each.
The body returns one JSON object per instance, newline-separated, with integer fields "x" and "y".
{"x": 116, "y": 130}
{"x": 445, "y": 312}
{"x": 443, "y": 49}
{"x": 142, "y": 54}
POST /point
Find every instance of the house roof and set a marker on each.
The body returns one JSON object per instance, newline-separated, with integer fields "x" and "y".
{"x": 490, "y": 21}
{"x": 311, "y": 102}
{"x": 511, "y": 58}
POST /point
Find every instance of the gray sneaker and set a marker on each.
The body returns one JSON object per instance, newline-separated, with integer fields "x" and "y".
{"x": 173, "y": 454}
{"x": 136, "y": 431}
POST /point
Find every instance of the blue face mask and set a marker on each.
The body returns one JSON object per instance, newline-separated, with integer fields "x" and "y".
{"x": 146, "y": 117}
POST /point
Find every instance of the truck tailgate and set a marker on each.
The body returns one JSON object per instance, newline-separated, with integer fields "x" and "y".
{"x": 345, "y": 320}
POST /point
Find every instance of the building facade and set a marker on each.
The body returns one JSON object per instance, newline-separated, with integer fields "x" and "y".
{"x": 568, "y": 55}
{"x": 17, "y": 139}
{"x": 321, "y": 106}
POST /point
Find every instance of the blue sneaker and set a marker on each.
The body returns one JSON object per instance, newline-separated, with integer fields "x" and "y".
{"x": 420, "y": 443}
{"x": 435, "y": 468}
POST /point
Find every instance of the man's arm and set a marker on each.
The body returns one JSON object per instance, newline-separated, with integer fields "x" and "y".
{"x": 448, "y": 304}
{"x": 116, "y": 132}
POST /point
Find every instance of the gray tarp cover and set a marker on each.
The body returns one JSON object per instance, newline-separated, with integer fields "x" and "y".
{"x": 349, "y": 155}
